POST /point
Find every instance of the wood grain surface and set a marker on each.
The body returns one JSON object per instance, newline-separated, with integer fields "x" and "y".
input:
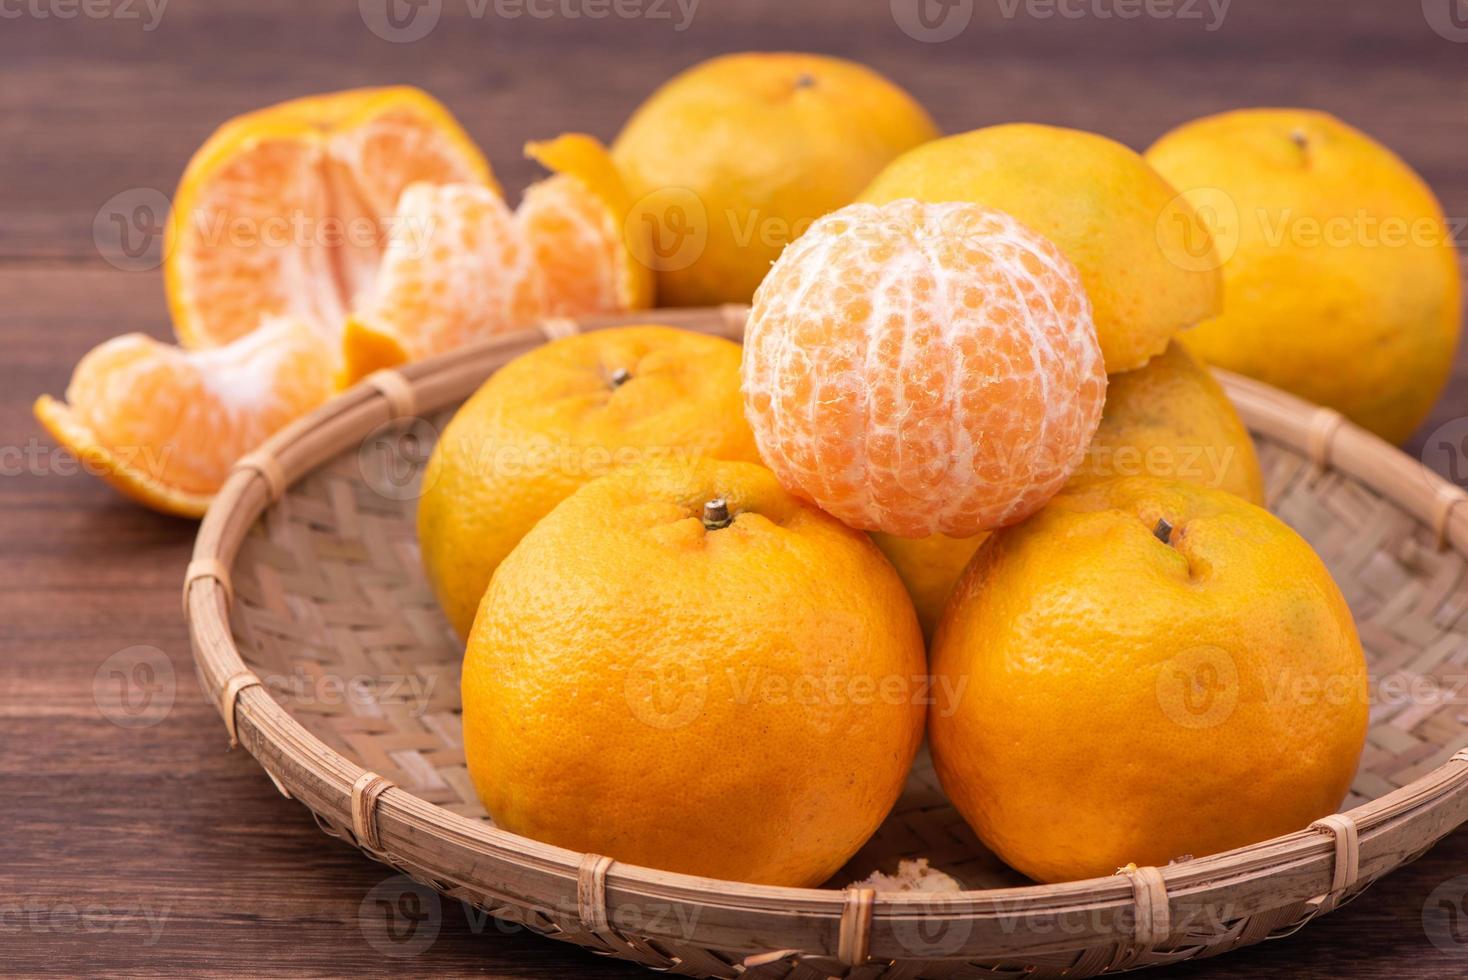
{"x": 131, "y": 850}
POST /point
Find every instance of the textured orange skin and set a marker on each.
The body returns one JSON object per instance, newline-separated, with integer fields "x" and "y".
{"x": 928, "y": 567}
{"x": 1126, "y": 700}
{"x": 1100, "y": 202}
{"x": 639, "y": 686}
{"x": 1366, "y": 323}
{"x": 1171, "y": 420}
{"x": 766, "y": 142}
{"x": 550, "y": 420}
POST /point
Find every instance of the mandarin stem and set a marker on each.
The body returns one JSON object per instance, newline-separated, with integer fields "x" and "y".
{"x": 1163, "y": 530}
{"x": 716, "y": 514}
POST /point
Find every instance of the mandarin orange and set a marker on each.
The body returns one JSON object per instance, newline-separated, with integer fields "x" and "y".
{"x": 684, "y": 666}
{"x": 923, "y": 368}
{"x": 164, "y": 425}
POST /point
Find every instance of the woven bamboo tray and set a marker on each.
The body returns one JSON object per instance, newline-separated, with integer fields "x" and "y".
{"x": 317, "y": 636}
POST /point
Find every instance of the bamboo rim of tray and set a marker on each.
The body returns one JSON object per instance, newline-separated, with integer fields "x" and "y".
{"x": 1301, "y": 867}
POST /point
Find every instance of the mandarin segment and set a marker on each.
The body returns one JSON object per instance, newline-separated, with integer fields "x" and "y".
{"x": 575, "y": 243}
{"x": 577, "y": 223}
{"x": 165, "y": 425}
{"x": 922, "y": 368}
{"x": 456, "y": 270}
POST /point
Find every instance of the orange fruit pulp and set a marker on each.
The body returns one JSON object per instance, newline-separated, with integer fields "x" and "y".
{"x": 922, "y": 368}
{"x": 164, "y": 425}
{"x": 465, "y": 267}
{"x": 285, "y": 211}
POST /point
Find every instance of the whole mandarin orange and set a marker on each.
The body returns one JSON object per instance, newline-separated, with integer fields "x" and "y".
{"x": 684, "y": 666}
{"x": 928, "y": 567}
{"x": 922, "y": 368}
{"x": 1172, "y": 420}
{"x": 1115, "y": 217}
{"x": 732, "y": 159}
{"x": 556, "y": 417}
{"x": 1340, "y": 271}
{"x": 1144, "y": 670}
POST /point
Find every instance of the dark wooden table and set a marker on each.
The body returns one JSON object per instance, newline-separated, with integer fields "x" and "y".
{"x": 151, "y": 850}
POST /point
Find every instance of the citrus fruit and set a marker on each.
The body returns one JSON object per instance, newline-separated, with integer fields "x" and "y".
{"x": 1171, "y": 420}
{"x": 928, "y": 567}
{"x": 1340, "y": 274}
{"x": 1149, "y": 670}
{"x": 554, "y": 418}
{"x": 462, "y": 267}
{"x": 922, "y": 368}
{"x": 733, "y": 158}
{"x": 457, "y": 270}
{"x": 283, "y": 210}
{"x": 722, "y": 675}
{"x": 164, "y": 425}
{"x": 1112, "y": 215}
{"x": 577, "y": 227}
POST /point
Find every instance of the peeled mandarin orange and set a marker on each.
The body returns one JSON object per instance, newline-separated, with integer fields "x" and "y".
{"x": 456, "y": 269}
{"x": 1142, "y": 252}
{"x": 577, "y": 227}
{"x": 283, "y": 210}
{"x": 922, "y": 368}
{"x": 686, "y": 667}
{"x": 164, "y": 425}
{"x": 556, "y": 417}
{"x": 1143, "y": 671}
